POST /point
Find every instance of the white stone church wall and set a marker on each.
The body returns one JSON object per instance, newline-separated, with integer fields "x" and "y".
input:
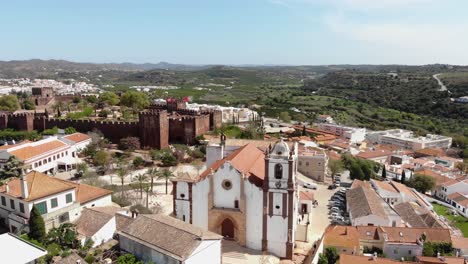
{"x": 277, "y": 235}
{"x": 200, "y": 192}
{"x": 225, "y": 198}
{"x": 254, "y": 215}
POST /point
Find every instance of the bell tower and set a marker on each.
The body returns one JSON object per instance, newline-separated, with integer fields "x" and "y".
{"x": 280, "y": 200}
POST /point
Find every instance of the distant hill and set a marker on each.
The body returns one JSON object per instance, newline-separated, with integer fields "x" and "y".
{"x": 36, "y": 67}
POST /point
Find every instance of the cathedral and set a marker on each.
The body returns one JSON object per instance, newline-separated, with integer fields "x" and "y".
{"x": 249, "y": 196}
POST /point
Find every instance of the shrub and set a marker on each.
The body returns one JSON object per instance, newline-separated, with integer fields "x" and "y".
{"x": 168, "y": 159}
{"x": 138, "y": 162}
{"x": 129, "y": 143}
{"x": 70, "y": 130}
{"x": 90, "y": 259}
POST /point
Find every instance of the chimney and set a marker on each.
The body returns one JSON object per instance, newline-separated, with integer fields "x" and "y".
{"x": 24, "y": 185}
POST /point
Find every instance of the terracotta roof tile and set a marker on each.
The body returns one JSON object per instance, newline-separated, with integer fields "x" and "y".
{"x": 77, "y": 137}
{"x": 248, "y": 160}
{"x": 460, "y": 242}
{"x": 307, "y": 196}
{"x": 406, "y": 234}
{"x": 341, "y": 236}
{"x": 177, "y": 238}
{"x": 39, "y": 186}
{"x": 3, "y": 147}
{"x": 441, "y": 260}
{"x": 87, "y": 193}
{"x": 91, "y": 221}
{"x": 364, "y": 201}
{"x": 373, "y": 154}
{"x": 353, "y": 259}
{"x": 33, "y": 151}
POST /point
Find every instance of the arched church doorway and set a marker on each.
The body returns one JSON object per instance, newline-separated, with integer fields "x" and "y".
{"x": 227, "y": 228}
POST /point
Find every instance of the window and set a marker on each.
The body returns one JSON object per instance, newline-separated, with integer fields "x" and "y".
{"x": 183, "y": 218}
{"x": 42, "y": 207}
{"x": 395, "y": 251}
{"x": 307, "y": 164}
{"x": 227, "y": 184}
{"x": 69, "y": 198}
{"x": 53, "y": 203}
{"x": 62, "y": 154}
{"x": 45, "y": 161}
{"x": 3, "y": 201}
{"x": 54, "y": 157}
{"x": 278, "y": 171}
{"x": 236, "y": 204}
{"x": 50, "y": 159}
{"x": 21, "y": 207}
{"x": 409, "y": 252}
{"x": 12, "y": 204}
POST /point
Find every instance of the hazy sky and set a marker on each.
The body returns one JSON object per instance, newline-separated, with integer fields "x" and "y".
{"x": 237, "y": 31}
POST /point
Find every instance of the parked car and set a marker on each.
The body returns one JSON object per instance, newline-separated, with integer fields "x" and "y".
{"x": 310, "y": 186}
{"x": 331, "y": 187}
{"x": 338, "y": 218}
{"x": 334, "y": 215}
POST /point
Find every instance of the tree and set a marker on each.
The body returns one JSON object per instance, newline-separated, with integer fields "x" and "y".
{"x": 81, "y": 169}
{"x": 28, "y": 105}
{"x": 65, "y": 235}
{"x": 355, "y": 172}
{"x": 300, "y": 117}
{"x": 128, "y": 259}
{"x": 166, "y": 174}
{"x": 129, "y": 143}
{"x": 284, "y": 116}
{"x": 70, "y": 130}
{"x": 9, "y": 103}
{"x": 122, "y": 172}
{"x": 12, "y": 168}
{"x": 384, "y": 173}
{"x": 135, "y": 100}
{"x": 335, "y": 166}
{"x": 109, "y": 98}
{"x": 422, "y": 183}
{"x": 168, "y": 159}
{"x": 152, "y": 173}
{"x": 141, "y": 178}
{"x": 403, "y": 177}
{"x": 331, "y": 254}
{"x": 101, "y": 158}
{"x": 138, "y": 161}
{"x": 322, "y": 259}
{"x": 36, "y": 225}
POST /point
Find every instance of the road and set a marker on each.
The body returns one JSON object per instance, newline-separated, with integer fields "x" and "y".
{"x": 319, "y": 216}
{"x": 441, "y": 84}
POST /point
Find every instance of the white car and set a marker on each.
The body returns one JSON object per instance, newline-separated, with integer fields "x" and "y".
{"x": 335, "y": 214}
{"x": 310, "y": 186}
{"x": 338, "y": 218}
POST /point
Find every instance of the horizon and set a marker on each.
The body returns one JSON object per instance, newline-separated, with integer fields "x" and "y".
{"x": 244, "y": 32}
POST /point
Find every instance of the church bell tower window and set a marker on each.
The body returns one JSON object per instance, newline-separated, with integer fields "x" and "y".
{"x": 278, "y": 171}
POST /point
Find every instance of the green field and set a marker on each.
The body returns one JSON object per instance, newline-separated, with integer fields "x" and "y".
{"x": 458, "y": 221}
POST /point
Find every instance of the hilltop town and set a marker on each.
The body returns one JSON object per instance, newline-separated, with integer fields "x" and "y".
{"x": 105, "y": 176}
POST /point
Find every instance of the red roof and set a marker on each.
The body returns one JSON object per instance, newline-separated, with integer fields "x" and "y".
{"x": 248, "y": 160}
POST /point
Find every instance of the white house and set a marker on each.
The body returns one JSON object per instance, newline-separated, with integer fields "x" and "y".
{"x": 18, "y": 251}
{"x": 460, "y": 202}
{"x": 164, "y": 239}
{"x": 47, "y": 155}
{"x": 58, "y": 201}
{"x": 450, "y": 187}
{"x": 249, "y": 196}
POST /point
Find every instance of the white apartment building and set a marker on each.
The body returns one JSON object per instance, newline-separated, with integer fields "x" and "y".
{"x": 47, "y": 155}
{"x": 405, "y": 139}
{"x": 229, "y": 114}
{"x": 353, "y": 134}
{"x": 58, "y": 201}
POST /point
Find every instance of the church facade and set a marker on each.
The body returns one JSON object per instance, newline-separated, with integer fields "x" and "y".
{"x": 249, "y": 196}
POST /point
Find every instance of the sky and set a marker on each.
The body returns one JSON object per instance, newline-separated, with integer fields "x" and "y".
{"x": 287, "y": 32}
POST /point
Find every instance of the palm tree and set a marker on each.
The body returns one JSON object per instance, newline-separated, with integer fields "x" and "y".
{"x": 152, "y": 173}
{"x": 166, "y": 174}
{"x": 147, "y": 190}
{"x": 122, "y": 171}
{"x": 141, "y": 178}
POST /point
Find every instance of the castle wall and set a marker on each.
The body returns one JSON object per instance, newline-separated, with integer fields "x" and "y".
{"x": 21, "y": 121}
{"x": 112, "y": 130}
{"x": 154, "y": 129}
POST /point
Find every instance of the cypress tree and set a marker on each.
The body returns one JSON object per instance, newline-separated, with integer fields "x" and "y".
{"x": 403, "y": 177}
{"x": 36, "y": 225}
{"x": 384, "y": 173}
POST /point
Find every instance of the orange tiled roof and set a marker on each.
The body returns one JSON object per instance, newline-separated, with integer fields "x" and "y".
{"x": 405, "y": 234}
{"x": 77, "y": 137}
{"x": 248, "y": 160}
{"x": 307, "y": 196}
{"x": 460, "y": 242}
{"x": 441, "y": 260}
{"x": 39, "y": 186}
{"x": 32, "y": 151}
{"x": 434, "y": 152}
{"x": 373, "y": 154}
{"x": 354, "y": 259}
{"x": 14, "y": 145}
{"x": 385, "y": 185}
{"x": 341, "y": 236}
{"x": 86, "y": 193}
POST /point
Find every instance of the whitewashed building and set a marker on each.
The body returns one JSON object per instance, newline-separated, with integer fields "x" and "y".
{"x": 353, "y": 134}
{"x": 249, "y": 196}
{"x": 164, "y": 239}
{"x": 47, "y": 155}
{"x": 58, "y": 201}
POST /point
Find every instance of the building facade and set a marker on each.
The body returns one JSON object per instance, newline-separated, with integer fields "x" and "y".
{"x": 248, "y": 196}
